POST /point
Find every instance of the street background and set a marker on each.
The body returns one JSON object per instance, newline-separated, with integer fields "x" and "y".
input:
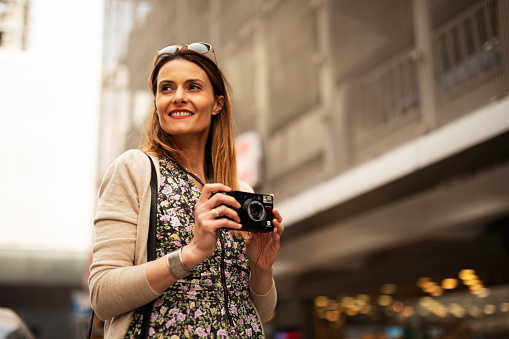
{"x": 381, "y": 126}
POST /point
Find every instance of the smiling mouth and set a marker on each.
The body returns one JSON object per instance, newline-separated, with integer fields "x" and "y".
{"x": 180, "y": 114}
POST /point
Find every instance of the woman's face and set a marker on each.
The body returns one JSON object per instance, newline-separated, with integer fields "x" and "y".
{"x": 185, "y": 101}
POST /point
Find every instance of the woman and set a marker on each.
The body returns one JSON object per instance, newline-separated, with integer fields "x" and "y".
{"x": 210, "y": 279}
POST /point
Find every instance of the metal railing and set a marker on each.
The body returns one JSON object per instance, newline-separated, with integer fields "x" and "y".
{"x": 386, "y": 100}
{"x": 390, "y": 90}
{"x": 469, "y": 71}
{"x": 467, "y": 49}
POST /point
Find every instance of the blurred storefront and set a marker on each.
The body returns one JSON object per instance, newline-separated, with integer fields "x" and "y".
{"x": 382, "y": 128}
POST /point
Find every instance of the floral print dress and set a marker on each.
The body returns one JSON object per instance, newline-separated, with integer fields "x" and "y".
{"x": 212, "y": 302}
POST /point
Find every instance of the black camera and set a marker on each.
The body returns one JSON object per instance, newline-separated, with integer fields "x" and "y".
{"x": 255, "y": 212}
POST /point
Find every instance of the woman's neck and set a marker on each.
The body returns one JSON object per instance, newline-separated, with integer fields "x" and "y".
{"x": 194, "y": 158}
{"x": 195, "y": 164}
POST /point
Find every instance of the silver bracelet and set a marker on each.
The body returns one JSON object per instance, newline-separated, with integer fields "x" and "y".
{"x": 175, "y": 265}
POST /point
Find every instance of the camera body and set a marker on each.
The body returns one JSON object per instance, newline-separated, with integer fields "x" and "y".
{"x": 255, "y": 212}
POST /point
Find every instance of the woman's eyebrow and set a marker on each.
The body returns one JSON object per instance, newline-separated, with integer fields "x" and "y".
{"x": 188, "y": 81}
{"x": 166, "y": 81}
{"x": 194, "y": 80}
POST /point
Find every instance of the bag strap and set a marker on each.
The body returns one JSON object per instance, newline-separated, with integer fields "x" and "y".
{"x": 90, "y": 325}
{"x": 151, "y": 250}
{"x": 151, "y": 240}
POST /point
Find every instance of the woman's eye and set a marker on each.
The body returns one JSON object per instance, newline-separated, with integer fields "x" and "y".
{"x": 165, "y": 88}
{"x": 194, "y": 86}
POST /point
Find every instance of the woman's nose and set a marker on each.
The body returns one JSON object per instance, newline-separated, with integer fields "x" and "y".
{"x": 180, "y": 96}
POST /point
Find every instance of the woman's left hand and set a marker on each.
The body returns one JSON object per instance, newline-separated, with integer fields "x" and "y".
{"x": 262, "y": 248}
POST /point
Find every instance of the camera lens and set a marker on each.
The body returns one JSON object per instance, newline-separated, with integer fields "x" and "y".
{"x": 256, "y": 210}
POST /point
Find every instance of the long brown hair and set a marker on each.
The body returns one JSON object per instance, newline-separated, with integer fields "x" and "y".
{"x": 220, "y": 151}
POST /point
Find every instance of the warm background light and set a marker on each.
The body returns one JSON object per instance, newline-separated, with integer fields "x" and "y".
{"x": 384, "y": 300}
{"x": 457, "y": 310}
{"x": 504, "y": 307}
{"x": 471, "y": 282}
{"x": 332, "y": 316}
{"x": 363, "y": 297}
{"x": 489, "y": 309}
{"x": 429, "y": 286}
{"x": 449, "y": 284}
{"x": 426, "y": 302}
{"x": 321, "y": 301}
{"x": 466, "y": 274}
{"x": 422, "y": 281}
{"x": 346, "y": 301}
{"x": 437, "y": 291}
{"x": 350, "y": 312}
{"x": 398, "y": 306}
{"x": 484, "y": 292}
{"x": 408, "y": 311}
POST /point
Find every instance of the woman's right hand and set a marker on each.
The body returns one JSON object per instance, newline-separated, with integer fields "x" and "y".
{"x": 212, "y": 212}
{"x": 206, "y": 232}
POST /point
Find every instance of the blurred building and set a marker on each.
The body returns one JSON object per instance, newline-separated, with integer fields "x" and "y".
{"x": 384, "y": 129}
{"x": 43, "y": 283}
{"x": 13, "y": 23}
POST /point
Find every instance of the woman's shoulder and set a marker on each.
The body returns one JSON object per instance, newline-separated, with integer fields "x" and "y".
{"x": 131, "y": 155}
{"x": 131, "y": 162}
{"x": 133, "y": 158}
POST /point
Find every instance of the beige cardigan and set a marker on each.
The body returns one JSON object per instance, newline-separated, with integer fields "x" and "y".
{"x": 118, "y": 283}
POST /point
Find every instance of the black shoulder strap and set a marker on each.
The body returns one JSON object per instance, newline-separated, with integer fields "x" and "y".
{"x": 191, "y": 174}
{"x": 90, "y": 325}
{"x": 151, "y": 242}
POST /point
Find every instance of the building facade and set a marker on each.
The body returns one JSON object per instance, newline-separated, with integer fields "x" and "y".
{"x": 384, "y": 129}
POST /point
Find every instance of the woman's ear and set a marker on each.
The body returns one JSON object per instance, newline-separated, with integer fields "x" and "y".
{"x": 218, "y": 106}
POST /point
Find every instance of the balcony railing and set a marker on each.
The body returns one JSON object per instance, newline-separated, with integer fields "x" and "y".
{"x": 386, "y": 100}
{"x": 467, "y": 48}
{"x": 390, "y": 90}
{"x": 469, "y": 72}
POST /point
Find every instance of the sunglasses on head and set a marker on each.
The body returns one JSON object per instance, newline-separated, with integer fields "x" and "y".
{"x": 199, "y": 47}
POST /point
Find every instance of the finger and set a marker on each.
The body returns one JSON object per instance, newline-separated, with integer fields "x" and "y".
{"x": 280, "y": 230}
{"x": 224, "y": 211}
{"x": 209, "y": 199}
{"x": 215, "y": 213}
{"x": 277, "y": 221}
{"x": 223, "y": 199}
{"x": 278, "y": 227}
{"x": 210, "y": 189}
{"x": 226, "y": 223}
{"x": 277, "y": 215}
{"x": 208, "y": 222}
{"x": 277, "y": 233}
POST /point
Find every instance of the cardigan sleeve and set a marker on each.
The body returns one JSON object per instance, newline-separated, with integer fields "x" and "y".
{"x": 117, "y": 284}
{"x": 265, "y": 304}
